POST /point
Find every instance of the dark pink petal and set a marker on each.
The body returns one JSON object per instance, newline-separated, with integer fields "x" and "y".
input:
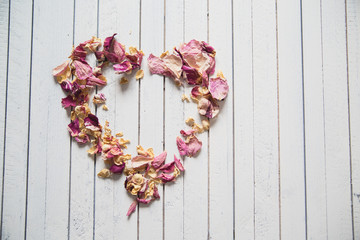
{"x": 82, "y": 69}
{"x": 183, "y": 148}
{"x": 73, "y": 128}
{"x": 132, "y": 208}
{"x": 100, "y": 56}
{"x": 68, "y": 101}
{"x": 113, "y": 50}
{"x": 218, "y": 88}
{"x": 122, "y": 67}
{"x": 167, "y": 168}
{"x": 178, "y": 164}
{"x": 117, "y": 168}
{"x": 67, "y": 85}
{"x": 159, "y": 160}
{"x": 195, "y": 93}
{"x": 207, "y": 47}
{"x": 92, "y": 122}
{"x": 79, "y": 53}
{"x": 192, "y": 75}
{"x": 156, "y": 192}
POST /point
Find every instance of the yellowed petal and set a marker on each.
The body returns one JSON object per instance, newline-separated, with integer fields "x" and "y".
{"x": 206, "y": 124}
{"x": 190, "y": 121}
{"x": 139, "y": 74}
{"x": 104, "y": 173}
{"x": 184, "y": 97}
{"x": 105, "y": 107}
{"x": 124, "y": 80}
{"x": 119, "y": 134}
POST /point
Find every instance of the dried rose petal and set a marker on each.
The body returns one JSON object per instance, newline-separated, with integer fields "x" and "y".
{"x": 194, "y": 146}
{"x": 68, "y": 101}
{"x": 159, "y": 160}
{"x": 218, "y": 87}
{"x": 132, "y": 208}
{"x": 209, "y": 108}
{"x": 169, "y": 167}
{"x": 188, "y": 132}
{"x": 73, "y": 128}
{"x": 123, "y": 67}
{"x": 178, "y": 163}
{"x": 182, "y": 147}
{"x": 117, "y": 169}
{"x": 169, "y": 65}
{"x": 82, "y": 69}
{"x": 113, "y": 50}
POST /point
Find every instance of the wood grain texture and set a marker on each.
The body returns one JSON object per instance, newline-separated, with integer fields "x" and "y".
{"x": 152, "y": 110}
{"x": 336, "y": 121}
{"x": 4, "y": 34}
{"x": 221, "y": 162}
{"x": 49, "y": 150}
{"x": 291, "y": 125}
{"x": 82, "y": 164}
{"x": 111, "y": 199}
{"x": 196, "y": 169}
{"x": 243, "y": 120}
{"x": 174, "y": 122}
{"x": 267, "y": 222}
{"x": 353, "y": 39}
{"x": 314, "y": 121}
{"x": 17, "y": 120}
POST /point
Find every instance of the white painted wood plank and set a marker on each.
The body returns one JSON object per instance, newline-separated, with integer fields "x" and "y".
{"x": 196, "y": 169}
{"x": 221, "y": 164}
{"x": 336, "y": 121}
{"x": 265, "y": 121}
{"x": 291, "y": 125}
{"x": 152, "y": 110}
{"x": 82, "y": 163}
{"x": 314, "y": 121}
{"x": 174, "y": 122}
{"x": 17, "y": 117}
{"x": 112, "y": 201}
{"x": 353, "y": 38}
{"x": 4, "y": 30}
{"x": 243, "y": 121}
{"x": 49, "y": 151}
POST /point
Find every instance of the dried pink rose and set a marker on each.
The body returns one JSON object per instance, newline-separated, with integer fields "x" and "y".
{"x": 68, "y": 101}
{"x": 190, "y": 147}
{"x": 113, "y": 50}
{"x": 218, "y": 87}
{"x": 82, "y": 69}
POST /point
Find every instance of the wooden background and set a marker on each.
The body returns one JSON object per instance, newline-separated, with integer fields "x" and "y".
{"x": 281, "y": 161}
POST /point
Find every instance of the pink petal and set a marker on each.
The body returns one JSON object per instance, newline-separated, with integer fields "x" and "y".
{"x": 82, "y": 69}
{"x": 207, "y": 107}
{"x": 73, "y": 128}
{"x": 183, "y": 148}
{"x": 132, "y": 208}
{"x": 122, "y": 67}
{"x": 159, "y": 160}
{"x": 144, "y": 201}
{"x": 218, "y": 88}
{"x": 166, "y": 177}
{"x": 192, "y": 75}
{"x": 188, "y": 132}
{"x": 94, "y": 81}
{"x": 178, "y": 163}
{"x": 194, "y": 146}
{"x": 167, "y": 168}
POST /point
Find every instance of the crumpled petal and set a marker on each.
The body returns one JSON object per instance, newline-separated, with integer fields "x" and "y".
{"x": 123, "y": 67}
{"x": 188, "y": 132}
{"x": 62, "y": 72}
{"x": 132, "y": 208}
{"x": 166, "y": 177}
{"x": 192, "y": 75}
{"x": 99, "y": 98}
{"x": 113, "y": 50}
{"x": 68, "y": 101}
{"x": 167, "y": 168}
{"x": 135, "y": 57}
{"x": 209, "y": 108}
{"x": 218, "y": 87}
{"x": 92, "y": 122}
{"x": 159, "y": 160}
{"x": 169, "y": 65}
{"x": 140, "y": 161}
{"x": 95, "y": 81}
{"x": 73, "y": 128}
{"x": 189, "y": 147}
